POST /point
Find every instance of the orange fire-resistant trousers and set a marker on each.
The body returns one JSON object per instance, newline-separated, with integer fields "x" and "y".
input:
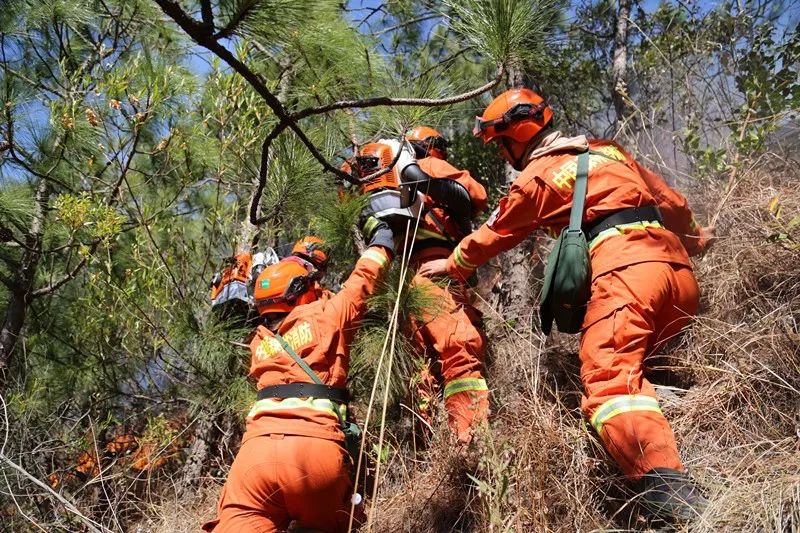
{"x": 276, "y": 480}
{"x": 449, "y": 333}
{"x": 652, "y": 302}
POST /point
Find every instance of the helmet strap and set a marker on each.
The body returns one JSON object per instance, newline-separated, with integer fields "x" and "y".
{"x": 273, "y": 321}
{"x": 516, "y": 160}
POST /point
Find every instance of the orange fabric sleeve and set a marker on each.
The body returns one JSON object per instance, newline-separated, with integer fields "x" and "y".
{"x": 528, "y": 203}
{"x": 678, "y": 218}
{"x": 350, "y": 302}
{"x": 438, "y": 168}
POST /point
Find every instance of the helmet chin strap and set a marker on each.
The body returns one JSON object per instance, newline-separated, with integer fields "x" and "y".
{"x": 516, "y": 162}
{"x": 273, "y": 321}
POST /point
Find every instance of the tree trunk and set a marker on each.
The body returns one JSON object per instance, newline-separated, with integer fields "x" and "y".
{"x": 21, "y": 292}
{"x": 512, "y": 294}
{"x": 619, "y": 88}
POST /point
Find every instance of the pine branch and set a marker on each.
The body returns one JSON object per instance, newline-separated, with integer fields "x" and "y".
{"x": 234, "y": 23}
{"x": 43, "y": 291}
{"x": 206, "y": 40}
{"x": 388, "y": 100}
{"x": 110, "y": 200}
{"x": 422, "y": 18}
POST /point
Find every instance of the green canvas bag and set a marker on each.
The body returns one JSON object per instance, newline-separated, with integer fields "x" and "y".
{"x": 568, "y": 275}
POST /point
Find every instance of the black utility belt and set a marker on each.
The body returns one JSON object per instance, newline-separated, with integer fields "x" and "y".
{"x": 424, "y": 244}
{"x": 305, "y": 390}
{"x": 647, "y": 213}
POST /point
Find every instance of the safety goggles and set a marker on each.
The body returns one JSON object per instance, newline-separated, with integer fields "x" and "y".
{"x": 515, "y": 114}
{"x": 432, "y": 143}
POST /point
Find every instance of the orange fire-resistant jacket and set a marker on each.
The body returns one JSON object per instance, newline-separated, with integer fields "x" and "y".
{"x": 320, "y": 333}
{"x": 541, "y": 197}
{"x": 438, "y": 219}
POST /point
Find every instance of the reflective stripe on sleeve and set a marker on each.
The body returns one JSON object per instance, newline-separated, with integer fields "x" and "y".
{"x": 464, "y": 385}
{"x": 317, "y": 404}
{"x": 622, "y": 229}
{"x": 376, "y": 256}
{"x": 623, "y": 404}
{"x": 460, "y": 261}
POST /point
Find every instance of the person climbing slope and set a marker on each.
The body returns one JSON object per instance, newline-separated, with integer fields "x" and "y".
{"x": 640, "y": 234}
{"x": 438, "y": 201}
{"x": 292, "y": 466}
{"x": 449, "y": 336}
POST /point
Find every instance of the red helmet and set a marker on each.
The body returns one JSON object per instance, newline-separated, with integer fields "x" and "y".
{"x": 427, "y": 142}
{"x": 311, "y": 249}
{"x": 518, "y": 114}
{"x": 283, "y": 286}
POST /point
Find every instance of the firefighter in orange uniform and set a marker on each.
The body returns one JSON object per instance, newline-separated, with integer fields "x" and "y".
{"x": 292, "y": 466}
{"x": 450, "y": 334}
{"x": 640, "y": 234}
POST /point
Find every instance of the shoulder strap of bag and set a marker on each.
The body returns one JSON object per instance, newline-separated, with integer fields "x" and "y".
{"x": 297, "y": 359}
{"x": 579, "y": 192}
{"x": 307, "y": 369}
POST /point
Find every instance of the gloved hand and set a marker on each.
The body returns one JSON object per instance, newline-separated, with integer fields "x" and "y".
{"x": 406, "y": 158}
{"x": 708, "y": 235}
{"x": 378, "y": 233}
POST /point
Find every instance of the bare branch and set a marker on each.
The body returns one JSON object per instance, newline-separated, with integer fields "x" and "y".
{"x": 388, "y": 100}
{"x": 90, "y": 524}
{"x": 207, "y": 14}
{"x": 423, "y": 18}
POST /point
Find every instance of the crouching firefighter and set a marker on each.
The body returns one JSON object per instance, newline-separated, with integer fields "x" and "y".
{"x": 445, "y": 200}
{"x": 292, "y": 466}
{"x": 635, "y": 234}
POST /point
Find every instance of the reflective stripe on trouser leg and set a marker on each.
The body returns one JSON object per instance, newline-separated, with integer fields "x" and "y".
{"x": 464, "y": 385}
{"x": 467, "y": 404}
{"x": 623, "y": 404}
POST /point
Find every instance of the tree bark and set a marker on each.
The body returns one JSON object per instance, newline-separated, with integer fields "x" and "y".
{"x": 511, "y": 292}
{"x": 619, "y": 88}
{"x": 21, "y": 292}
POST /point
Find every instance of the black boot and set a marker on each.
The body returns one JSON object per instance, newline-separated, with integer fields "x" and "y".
{"x": 670, "y": 495}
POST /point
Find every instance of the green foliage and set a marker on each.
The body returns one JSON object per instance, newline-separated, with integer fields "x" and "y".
{"x": 506, "y": 32}
{"x": 334, "y": 222}
{"x": 375, "y": 338}
{"x": 79, "y": 211}
{"x": 16, "y": 205}
{"x": 707, "y": 160}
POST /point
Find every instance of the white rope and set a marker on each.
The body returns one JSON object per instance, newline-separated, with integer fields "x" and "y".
{"x": 391, "y": 333}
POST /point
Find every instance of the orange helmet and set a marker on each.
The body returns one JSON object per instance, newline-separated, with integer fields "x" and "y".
{"x": 311, "y": 249}
{"x": 427, "y": 142}
{"x": 283, "y": 286}
{"x": 518, "y": 114}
